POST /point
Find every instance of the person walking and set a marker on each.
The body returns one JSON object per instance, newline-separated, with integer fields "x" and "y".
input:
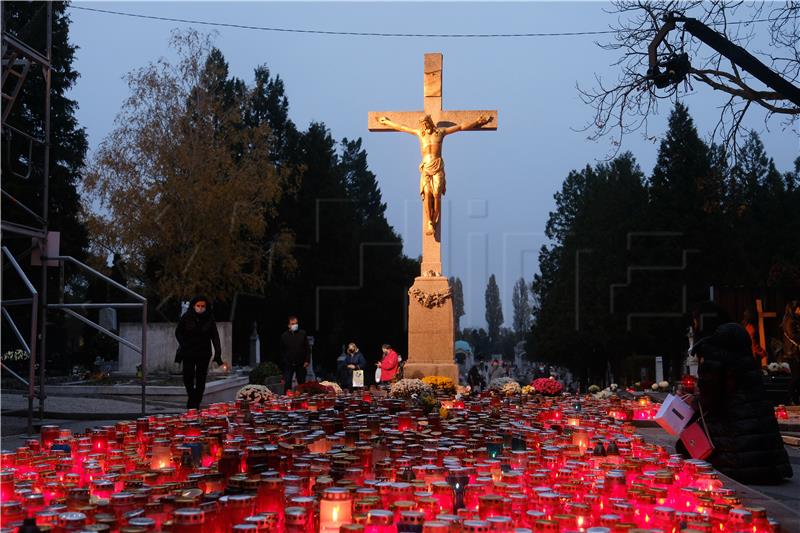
{"x": 197, "y": 334}
{"x": 295, "y": 354}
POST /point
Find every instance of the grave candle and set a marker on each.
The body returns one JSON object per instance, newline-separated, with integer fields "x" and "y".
{"x": 335, "y": 509}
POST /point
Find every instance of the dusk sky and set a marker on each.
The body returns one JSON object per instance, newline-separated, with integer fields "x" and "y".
{"x": 500, "y": 184}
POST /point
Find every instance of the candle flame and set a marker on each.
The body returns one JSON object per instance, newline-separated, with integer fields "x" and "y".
{"x": 335, "y": 513}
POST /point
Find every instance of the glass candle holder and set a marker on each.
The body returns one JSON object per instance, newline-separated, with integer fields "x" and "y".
{"x": 335, "y": 509}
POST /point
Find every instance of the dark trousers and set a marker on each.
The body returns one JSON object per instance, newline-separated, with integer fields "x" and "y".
{"x": 195, "y": 370}
{"x": 289, "y": 372}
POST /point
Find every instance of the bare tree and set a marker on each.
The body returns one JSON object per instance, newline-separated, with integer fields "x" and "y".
{"x": 623, "y": 106}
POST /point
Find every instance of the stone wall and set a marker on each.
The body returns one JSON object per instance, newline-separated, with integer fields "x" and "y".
{"x": 161, "y": 346}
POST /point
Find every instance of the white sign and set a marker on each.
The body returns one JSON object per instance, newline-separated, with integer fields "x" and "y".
{"x": 659, "y": 369}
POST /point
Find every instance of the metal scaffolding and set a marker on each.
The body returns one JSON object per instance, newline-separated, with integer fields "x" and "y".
{"x": 19, "y": 61}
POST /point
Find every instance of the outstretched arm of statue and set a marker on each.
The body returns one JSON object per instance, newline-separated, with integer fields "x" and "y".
{"x": 480, "y": 121}
{"x": 395, "y": 126}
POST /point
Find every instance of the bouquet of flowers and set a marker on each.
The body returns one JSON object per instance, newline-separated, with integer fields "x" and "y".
{"x": 16, "y": 355}
{"x": 603, "y": 394}
{"x": 333, "y": 386}
{"x": 428, "y": 403}
{"x": 440, "y": 384}
{"x": 547, "y": 386}
{"x": 255, "y": 394}
{"x": 660, "y": 386}
{"x": 505, "y": 386}
{"x": 593, "y": 389}
{"x": 406, "y": 388}
{"x": 314, "y": 388}
{"x": 778, "y": 368}
{"x": 527, "y": 389}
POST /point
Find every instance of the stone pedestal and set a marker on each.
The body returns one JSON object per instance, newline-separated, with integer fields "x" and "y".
{"x": 430, "y": 329}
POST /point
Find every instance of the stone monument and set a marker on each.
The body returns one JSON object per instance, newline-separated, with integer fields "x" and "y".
{"x": 430, "y": 302}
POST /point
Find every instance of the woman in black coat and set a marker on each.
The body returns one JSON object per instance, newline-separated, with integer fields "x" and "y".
{"x": 352, "y": 359}
{"x": 741, "y": 421}
{"x": 197, "y": 334}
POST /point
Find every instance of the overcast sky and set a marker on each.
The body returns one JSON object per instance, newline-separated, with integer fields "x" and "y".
{"x": 500, "y": 184}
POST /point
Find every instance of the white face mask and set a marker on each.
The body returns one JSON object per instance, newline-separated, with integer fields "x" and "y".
{"x": 294, "y": 327}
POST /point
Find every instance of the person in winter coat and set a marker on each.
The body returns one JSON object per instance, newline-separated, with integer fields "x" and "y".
{"x": 295, "y": 354}
{"x": 741, "y": 422}
{"x": 388, "y": 364}
{"x": 352, "y": 359}
{"x": 791, "y": 347}
{"x": 197, "y": 334}
{"x": 496, "y": 371}
{"x": 474, "y": 379}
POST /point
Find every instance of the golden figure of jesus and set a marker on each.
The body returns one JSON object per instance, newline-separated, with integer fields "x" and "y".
{"x": 432, "y": 184}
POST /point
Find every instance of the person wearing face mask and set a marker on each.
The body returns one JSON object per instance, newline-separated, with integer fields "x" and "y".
{"x": 388, "y": 364}
{"x": 295, "y": 354}
{"x": 351, "y": 359}
{"x": 197, "y": 334}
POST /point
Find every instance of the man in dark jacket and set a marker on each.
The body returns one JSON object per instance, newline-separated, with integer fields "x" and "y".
{"x": 294, "y": 354}
{"x": 741, "y": 421}
{"x": 197, "y": 334}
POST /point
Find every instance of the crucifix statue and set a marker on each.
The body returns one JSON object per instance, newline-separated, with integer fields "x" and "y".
{"x": 432, "y": 185}
{"x": 431, "y": 126}
{"x": 430, "y": 312}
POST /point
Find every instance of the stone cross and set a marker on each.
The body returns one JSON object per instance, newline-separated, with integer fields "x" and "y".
{"x": 432, "y": 93}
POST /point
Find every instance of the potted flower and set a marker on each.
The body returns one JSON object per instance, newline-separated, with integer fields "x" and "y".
{"x": 776, "y": 378}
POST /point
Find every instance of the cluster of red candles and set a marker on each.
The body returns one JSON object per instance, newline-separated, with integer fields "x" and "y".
{"x": 353, "y": 463}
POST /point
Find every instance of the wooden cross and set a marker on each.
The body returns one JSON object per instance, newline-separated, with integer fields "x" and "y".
{"x": 762, "y": 340}
{"x": 432, "y": 94}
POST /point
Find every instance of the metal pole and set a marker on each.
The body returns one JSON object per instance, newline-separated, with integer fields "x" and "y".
{"x": 46, "y": 204}
{"x": 144, "y": 357}
{"x": 32, "y": 366}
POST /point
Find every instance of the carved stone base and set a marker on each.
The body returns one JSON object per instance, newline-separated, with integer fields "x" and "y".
{"x": 430, "y": 329}
{"x": 420, "y": 370}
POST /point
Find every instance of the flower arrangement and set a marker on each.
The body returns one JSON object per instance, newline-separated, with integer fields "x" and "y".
{"x": 527, "y": 389}
{"x": 463, "y": 390}
{"x": 593, "y": 389}
{"x": 603, "y": 394}
{"x": 428, "y": 403}
{"x": 255, "y": 394}
{"x": 15, "y": 355}
{"x": 547, "y": 386}
{"x": 505, "y": 386}
{"x": 314, "y": 388}
{"x": 778, "y": 368}
{"x": 333, "y": 386}
{"x": 440, "y": 384}
{"x": 406, "y": 388}
{"x": 660, "y": 386}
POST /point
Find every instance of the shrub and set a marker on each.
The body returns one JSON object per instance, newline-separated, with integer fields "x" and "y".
{"x": 260, "y": 374}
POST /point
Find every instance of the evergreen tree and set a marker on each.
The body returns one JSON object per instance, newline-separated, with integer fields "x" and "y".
{"x": 494, "y": 310}
{"x": 27, "y": 21}
{"x": 522, "y": 308}
{"x": 458, "y": 304}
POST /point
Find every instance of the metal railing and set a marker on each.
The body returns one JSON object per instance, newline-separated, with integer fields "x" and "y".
{"x": 69, "y": 309}
{"x": 29, "y": 346}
